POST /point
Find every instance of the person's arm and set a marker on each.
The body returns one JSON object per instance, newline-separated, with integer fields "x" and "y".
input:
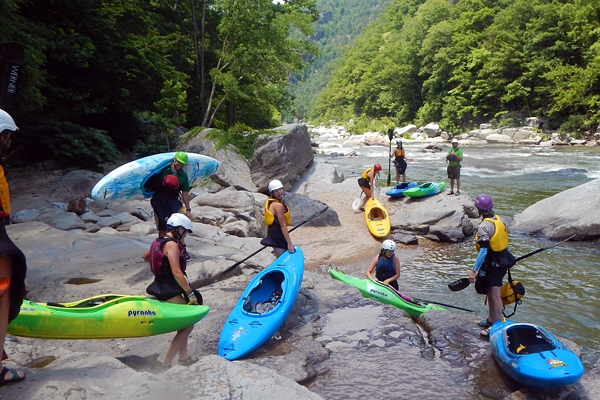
{"x": 396, "y": 270}
{"x": 483, "y": 250}
{"x": 171, "y": 250}
{"x": 372, "y": 268}
{"x": 459, "y": 155}
{"x": 186, "y": 201}
{"x": 278, "y": 210}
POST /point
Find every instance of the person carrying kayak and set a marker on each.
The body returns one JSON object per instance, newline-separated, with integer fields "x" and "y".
{"x": 399, "y": 156}
{"x": 386, "y": 265}
{"x": 13, "y": 265}
{"x": 277, "y": 218}
{"x": 366, "y": 182}
{"x": 493, "y": 260}
{"x": 167, "y": 259}
{"x": 169, "y": 184}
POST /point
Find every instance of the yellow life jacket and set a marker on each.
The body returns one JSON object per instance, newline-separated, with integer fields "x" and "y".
{"x": 4, "y": 195}
{"x": 499, "y": 240}
{"x": 270, "y": 217}
{"x": 365, "y": 174}
{"x": 399, "y": 153}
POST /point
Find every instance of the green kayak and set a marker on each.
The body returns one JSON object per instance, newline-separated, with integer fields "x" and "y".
{"x": 385, "y": 294}
{"x": 107, "y": 316}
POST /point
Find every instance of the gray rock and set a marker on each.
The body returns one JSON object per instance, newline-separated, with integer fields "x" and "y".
{"x": 572, "y": 212}
{"x": 405, "y": 238}
{"x": 25, "y": 215}
{"x": 108, "y": 222}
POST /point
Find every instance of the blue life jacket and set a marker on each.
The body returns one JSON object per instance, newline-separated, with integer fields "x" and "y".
{"x": 385, "y": 268}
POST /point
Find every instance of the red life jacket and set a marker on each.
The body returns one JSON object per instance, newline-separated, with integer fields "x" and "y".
{"x": 159, "y": 263}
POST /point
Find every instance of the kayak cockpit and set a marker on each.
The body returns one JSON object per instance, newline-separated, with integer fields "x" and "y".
{"x": 266, "y": 295}
{"x": 527, "y": 339}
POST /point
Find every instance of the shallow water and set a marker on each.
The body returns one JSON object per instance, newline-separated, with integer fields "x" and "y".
{"x": 561, "y": 284}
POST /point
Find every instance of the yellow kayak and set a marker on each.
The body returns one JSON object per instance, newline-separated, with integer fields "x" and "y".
{"x": 378, "y": 220}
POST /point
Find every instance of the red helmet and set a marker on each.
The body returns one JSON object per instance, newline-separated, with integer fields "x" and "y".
{"x": 377, "y": 167}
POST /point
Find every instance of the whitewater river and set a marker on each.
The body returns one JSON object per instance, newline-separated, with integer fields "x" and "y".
{"x": 562, "y": 292}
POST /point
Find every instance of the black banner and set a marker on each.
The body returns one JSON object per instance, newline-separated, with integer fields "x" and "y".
{"x": 11, "y": 61}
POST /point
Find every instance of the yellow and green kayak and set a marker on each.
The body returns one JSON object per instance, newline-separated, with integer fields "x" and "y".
{"x": 108, "y": 316}
{"x": 386, "y": 294}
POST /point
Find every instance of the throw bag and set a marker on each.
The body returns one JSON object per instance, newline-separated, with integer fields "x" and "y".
{"x": 512, "y": 291}
{"x": 171, "y": 181}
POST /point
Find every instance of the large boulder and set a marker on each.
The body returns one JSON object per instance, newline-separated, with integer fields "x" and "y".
{"x": 572, "y": 212}
{"x": 282, "y": 157}
{"x": 233, "y": 171}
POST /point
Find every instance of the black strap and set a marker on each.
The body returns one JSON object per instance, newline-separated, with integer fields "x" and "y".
{"x": 517, "y": 301}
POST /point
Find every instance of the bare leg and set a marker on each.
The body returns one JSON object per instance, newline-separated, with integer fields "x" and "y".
{"x": 6, "y": 272}
{"x": 494, "y": 303}
{"x": 278, "y": 251}
{"x": 368, "y": 195}
{"x": 458, "y": 185}
{"x": 403, "y": 178}
{"x": 180, "y": 341}
{"x": 397, "y": 175}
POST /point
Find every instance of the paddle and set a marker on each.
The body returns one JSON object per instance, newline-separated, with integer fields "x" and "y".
{"x": 413, "y": 299}
{"x": 442, "y": 304}
{"x": 264, "y": 247}
{"x": 356, "y": 202}
{"x": 390, "y": 136}
{"x": 462, "y": 283}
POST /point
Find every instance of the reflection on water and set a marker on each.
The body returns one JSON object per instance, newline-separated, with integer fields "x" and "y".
{"x": 561, "y": 283}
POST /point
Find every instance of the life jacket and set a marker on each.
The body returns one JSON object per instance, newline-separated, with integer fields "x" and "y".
{"x": 399, "y": 153}
{"x": 365, "y": 175}
{"x": 4, "y": 195}
{"x": 499, "y": 240}
{"x": 159, "y": 263}
{"x": 270, "y": 217}
{"x": 385, "y": 268}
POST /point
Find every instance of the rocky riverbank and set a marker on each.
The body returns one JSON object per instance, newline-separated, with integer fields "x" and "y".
{"x": 73, "y": 256}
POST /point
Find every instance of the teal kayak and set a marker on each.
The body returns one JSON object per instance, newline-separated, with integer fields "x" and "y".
{"x": 426, "y": 189}
{"x": 385, "y": 294}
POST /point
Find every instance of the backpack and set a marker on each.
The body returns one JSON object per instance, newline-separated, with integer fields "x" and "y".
{"x": 512, "y": 292}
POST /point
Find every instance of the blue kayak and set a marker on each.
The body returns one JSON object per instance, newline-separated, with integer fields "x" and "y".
{"x": 426, "y": 189}
{"x": 532, "y": 356}
{"x": 263, "y": 307}
{"x": 398, "y": 190}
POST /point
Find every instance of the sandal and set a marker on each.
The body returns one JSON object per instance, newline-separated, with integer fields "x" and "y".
{"x": 457, "y": 193}
{"x": 15, "y": 376}
{"x": 188, "y": 361}
{"x": 450, "y": 193}
{"x": 485, "y": 323}
{"x": 485, "y": 333}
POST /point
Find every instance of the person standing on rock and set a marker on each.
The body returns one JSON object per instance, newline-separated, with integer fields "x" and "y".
{"x": 453, "y": 158}
{"x": 169, "y": 184}
{"x": 277, "y": 218}
{"x": 13, "y": 265}
{"x": 367, "y": 182}
{"x": 399, "y": 157}
{"x": 493, "y": 260}
{"x": 168, "y": 263}
{"x": 386, "y": 265}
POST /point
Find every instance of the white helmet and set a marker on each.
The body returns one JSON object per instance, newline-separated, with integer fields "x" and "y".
{"x": 274, "y": 185}
{"x": 177, "y": 219}
{"x": 388, "y": 245}
{"x": 6, "y": 122}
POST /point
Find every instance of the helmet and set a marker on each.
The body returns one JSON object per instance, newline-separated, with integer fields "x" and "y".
{"x": 176, "y": 220}
{"x": 6, "y": 122}
{"x": 388, "y": 245}
{"x": 398, "y": 142}
{"x": 181, "y": 157}
{"x": 454, "y": 140}
{"x": 484, "y": 202}
{"x": 274, "y": 185}
{"x": 377, "y": 167}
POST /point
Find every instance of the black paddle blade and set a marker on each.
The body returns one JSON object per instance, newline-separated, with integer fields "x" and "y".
{"x": 459, "y": 284}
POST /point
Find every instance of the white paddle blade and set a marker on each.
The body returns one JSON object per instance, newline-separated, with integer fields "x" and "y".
{"x": 356, "y": 204}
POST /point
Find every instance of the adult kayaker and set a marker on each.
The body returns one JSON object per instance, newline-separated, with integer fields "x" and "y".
{"x": 453, "y": 158}
{"x": 493, "y": 260}
{"x": 399, "y": 156}
{"x": 277, "y": 218}
{"x": 366, "y": 182}
{"x": 169, "y": 184}
{"x": 13, "y": 266}
{"x": 168, "y": 262}
{"x": 386, "y": 265}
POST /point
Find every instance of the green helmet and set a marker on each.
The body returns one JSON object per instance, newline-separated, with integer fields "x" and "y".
{"x": 181, "y": 157}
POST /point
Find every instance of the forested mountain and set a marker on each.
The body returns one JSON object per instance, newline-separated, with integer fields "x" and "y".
{"x": 93, "y": 69}
{"x": 461, "y": 62}
{"x": 339, "y": 22}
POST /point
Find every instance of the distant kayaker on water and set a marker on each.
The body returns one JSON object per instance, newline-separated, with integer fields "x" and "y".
{"x": 13, "y": 266}
{"x": 399, "y": 156}
{"x": 277, "y": 218}
{"x": 386, "y": 265}
{"x": 493, "y": 260}
{"x": 453, "y": 158}
{"x": 366, "y": 182}
{"x": 167, "y": 258}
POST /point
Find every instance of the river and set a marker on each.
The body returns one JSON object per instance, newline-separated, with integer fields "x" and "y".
{"x": 562, "y": 292}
